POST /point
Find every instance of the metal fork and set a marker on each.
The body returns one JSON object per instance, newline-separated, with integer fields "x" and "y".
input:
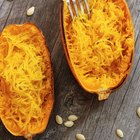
{"x": 76, "y": 7}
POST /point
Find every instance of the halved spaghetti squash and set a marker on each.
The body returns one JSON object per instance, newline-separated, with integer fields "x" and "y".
{"x": 99, "y": 49}
{"x": 26, "y": 83}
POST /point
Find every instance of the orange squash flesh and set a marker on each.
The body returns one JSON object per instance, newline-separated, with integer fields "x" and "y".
{"x": 26, "y": 80}
{"x": 99, "y": 49}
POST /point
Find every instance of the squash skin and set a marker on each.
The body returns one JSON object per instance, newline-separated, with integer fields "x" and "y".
{"x": 47, "y": 105}
{"x": 103, "y": 94}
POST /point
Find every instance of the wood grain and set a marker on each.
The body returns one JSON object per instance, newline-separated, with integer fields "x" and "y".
{"x": 97, "y": 120}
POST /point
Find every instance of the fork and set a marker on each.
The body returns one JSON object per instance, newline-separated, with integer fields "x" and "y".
{"x": 76, "y": 7}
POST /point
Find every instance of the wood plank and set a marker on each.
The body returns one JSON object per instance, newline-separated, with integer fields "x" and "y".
{"x": 99, "y": 123}
{"x": 1, "y": 3}
{"x": 97, "y": 120}
{"x": 15, "y": 12}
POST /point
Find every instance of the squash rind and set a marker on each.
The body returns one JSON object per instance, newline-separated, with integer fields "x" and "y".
{"x": 47, "y": 105}
{"x": 101, "y": 96}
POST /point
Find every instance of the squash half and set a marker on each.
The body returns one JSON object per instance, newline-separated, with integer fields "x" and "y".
{"x": 26, "y": 80}
{"x": 99, "y": 49}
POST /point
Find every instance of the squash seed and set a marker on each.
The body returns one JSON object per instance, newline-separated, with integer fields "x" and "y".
{"x": 69, "y": 124}
{"x": 72, "y": 118}
{"x": 59, "y": 119}
{"x": 138, "y": 112}
{"x": 119, "y": 133}
{"x": 80, "y": 137}
{"x": 30, "y": 11}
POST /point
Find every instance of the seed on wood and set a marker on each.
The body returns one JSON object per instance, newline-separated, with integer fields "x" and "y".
{"x": 138, "y": 112}
{"x": 80, "y": 137}
{"x": 59, "y": 119}
{"x": 72, "y": 118}
{"x": 30, "y": 11}
{"x": 119, "y": 133}
{"x": 69, "y": 124}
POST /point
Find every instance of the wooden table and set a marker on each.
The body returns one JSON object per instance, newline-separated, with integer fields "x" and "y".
{"x": 97, "y": 120}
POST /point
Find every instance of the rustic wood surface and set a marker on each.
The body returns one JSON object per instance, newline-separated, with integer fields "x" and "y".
{"x": 97, "y": 120}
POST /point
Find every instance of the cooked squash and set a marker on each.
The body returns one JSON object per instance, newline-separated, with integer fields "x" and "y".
{"x": 99, "y": 48}
{"x": 26, "y": 81}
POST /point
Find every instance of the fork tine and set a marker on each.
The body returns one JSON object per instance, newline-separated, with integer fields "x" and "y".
{"x": 81, "y": 6}
{"x": 75, "y": 6}
{"x": 87, "y": 7}
{"x": 70, "y": 9}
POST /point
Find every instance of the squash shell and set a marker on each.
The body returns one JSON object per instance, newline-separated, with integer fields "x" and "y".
{"x": 47, "y": 104}
{"x": 104, "y": 94}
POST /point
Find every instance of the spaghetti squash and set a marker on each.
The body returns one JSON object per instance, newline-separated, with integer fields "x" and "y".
{"x": 26, "y": 84}
{"x": 99, "y": 48}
